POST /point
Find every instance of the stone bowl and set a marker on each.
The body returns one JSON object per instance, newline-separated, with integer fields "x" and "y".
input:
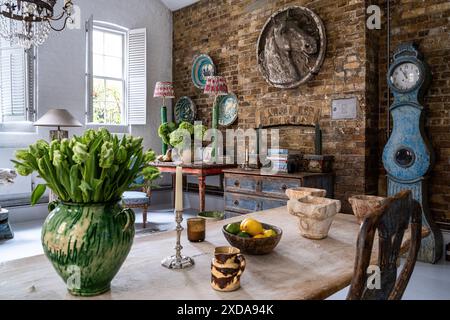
{"x": 212, "y": 215}
{"x": 315, "y": 215}
{"x": 254, "y": 246}
{"x": 363, "y": 205}
{"x": 298, "y": 193}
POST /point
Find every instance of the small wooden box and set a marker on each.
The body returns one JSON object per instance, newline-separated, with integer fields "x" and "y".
{"x": 317, "y": 163}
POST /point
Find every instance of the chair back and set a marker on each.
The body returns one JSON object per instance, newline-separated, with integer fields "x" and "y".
{"x": 391, "y": 221}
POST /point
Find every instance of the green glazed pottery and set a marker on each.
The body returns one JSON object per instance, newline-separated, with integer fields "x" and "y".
{"x": 185, "y": 110}
{"x": 87, "y": 244}
{"x": 228, "y": 109}
{"x": 202, "y": 67}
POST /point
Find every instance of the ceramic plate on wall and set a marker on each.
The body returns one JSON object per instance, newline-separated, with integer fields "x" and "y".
{"x": 185, "y": 110}
{"x": 202, "y": 67}
{"x": 228, "y": 109}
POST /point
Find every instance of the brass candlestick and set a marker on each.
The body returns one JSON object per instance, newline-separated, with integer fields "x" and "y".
{"x": 178, "y": 261}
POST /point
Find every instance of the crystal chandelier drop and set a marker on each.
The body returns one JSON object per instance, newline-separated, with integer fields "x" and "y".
{"x": 28, "y": 22}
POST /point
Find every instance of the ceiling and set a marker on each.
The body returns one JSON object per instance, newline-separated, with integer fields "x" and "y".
{"x": 178, "y": 4}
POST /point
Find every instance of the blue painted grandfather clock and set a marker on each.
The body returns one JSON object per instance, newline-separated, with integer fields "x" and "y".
{"x": 408, "y": 156}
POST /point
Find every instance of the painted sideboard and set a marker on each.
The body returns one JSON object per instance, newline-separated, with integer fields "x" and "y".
{"x": 250, "y": 191}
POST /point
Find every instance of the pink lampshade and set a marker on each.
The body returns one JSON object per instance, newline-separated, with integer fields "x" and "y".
{"x": 216, "y": 85}
{"x": 164, "y": 89}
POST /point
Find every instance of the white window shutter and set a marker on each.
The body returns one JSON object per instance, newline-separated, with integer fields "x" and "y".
{"x": 30, "y": 56}
{"x": 137, "y": 77}
{"x": 13, "y": 85}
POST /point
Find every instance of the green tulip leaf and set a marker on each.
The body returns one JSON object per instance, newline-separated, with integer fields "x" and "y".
{"x": 37, "y": 194}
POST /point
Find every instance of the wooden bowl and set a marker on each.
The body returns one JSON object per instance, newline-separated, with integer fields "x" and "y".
{"x": 254, "y": 246}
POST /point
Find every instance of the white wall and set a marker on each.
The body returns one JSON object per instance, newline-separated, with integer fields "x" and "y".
{"x": 62, "y": 60}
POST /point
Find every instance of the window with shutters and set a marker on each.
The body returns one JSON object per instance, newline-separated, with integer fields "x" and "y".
{"x": 16, "y": 87}
{"x": 109, "y": 81}
{"x": 116, "y": 75}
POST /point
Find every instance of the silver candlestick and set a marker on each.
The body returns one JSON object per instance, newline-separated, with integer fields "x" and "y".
{"x": 178, "y": 261}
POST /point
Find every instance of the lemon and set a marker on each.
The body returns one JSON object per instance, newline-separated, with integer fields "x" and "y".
{"x": 259, "y": 236}
{"x": 269, "y": 233}
{"x": 243, "y": 222}
{"x": 252, "y": 227}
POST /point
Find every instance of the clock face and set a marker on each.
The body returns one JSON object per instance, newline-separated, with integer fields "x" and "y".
{"x": 405, "y": 76}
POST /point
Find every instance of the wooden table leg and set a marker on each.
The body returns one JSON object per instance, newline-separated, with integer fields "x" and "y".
{"x": 201, "y": 192}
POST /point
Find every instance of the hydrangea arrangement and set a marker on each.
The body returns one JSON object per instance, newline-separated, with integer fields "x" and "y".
{"x": 95, "y": 168}
{"x": 186, "y": 128}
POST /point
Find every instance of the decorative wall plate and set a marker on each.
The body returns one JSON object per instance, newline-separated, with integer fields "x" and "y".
{"x": 202, "y": 67}
{"x": 291, "y": 47}
{"x": 228, "y": 109}
{"x": 185, "y": 110}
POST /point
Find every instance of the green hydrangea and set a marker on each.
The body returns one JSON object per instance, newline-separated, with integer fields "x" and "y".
{"x": 177, "y": 137}
{"x": 200, "y": 131}
{"x": 165, "y": 130}
{"x": 187, "y": 126}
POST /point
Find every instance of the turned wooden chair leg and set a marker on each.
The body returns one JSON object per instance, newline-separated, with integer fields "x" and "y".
{"x": 144, "y": 216}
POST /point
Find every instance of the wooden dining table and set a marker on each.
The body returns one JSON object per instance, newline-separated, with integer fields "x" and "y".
{"x": 298, "y": 268}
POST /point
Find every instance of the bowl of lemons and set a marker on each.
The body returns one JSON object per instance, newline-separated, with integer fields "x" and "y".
{"x": 252, "y": 237}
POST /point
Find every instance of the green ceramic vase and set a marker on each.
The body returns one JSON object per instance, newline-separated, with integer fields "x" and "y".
{"x": 87, "y": 244}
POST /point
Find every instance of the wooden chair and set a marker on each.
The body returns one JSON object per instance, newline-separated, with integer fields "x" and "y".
{"x": 138, "y": 200}
{"x": 391, "y": 221}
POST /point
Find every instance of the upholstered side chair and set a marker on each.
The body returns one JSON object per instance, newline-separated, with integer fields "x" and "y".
{"x": 399, "y": 214}
{"x": 138, "y": 200}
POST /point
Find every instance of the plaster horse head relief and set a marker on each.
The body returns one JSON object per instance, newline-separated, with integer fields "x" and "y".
{"x": 288, "y": 52}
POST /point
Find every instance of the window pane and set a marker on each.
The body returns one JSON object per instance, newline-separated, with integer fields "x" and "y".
{"x": 99, "y": 90}
{"x": 98, "y": 42}
{"x": 99, "y": 63}
{"x": 113, "y": 45}
{"x": 113, "y": 113}
{"x": 99, "y": 115}
{"x": 108, "y": 62}
{"x": 113, "y": 67}
{"x": 114, "y": 91}
{"x": 108, "y": 101}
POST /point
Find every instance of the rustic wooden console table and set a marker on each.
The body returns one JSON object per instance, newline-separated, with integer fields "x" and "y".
{"x": 201, "y": 171}
{"x": 248, "y": 191}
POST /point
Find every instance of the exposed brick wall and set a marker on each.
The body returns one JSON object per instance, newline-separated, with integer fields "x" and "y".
{"x": 428, "y": 24}
{"x": 228, "y": 30}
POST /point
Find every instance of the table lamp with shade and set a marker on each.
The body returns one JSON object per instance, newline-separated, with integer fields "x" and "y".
{"x": 58, "y": 118}
{"x": 165, "y": 91}
{"x": 216, "y": 86}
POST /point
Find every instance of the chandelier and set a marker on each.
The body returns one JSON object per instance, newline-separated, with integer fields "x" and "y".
{"x": 29, "y": 22}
